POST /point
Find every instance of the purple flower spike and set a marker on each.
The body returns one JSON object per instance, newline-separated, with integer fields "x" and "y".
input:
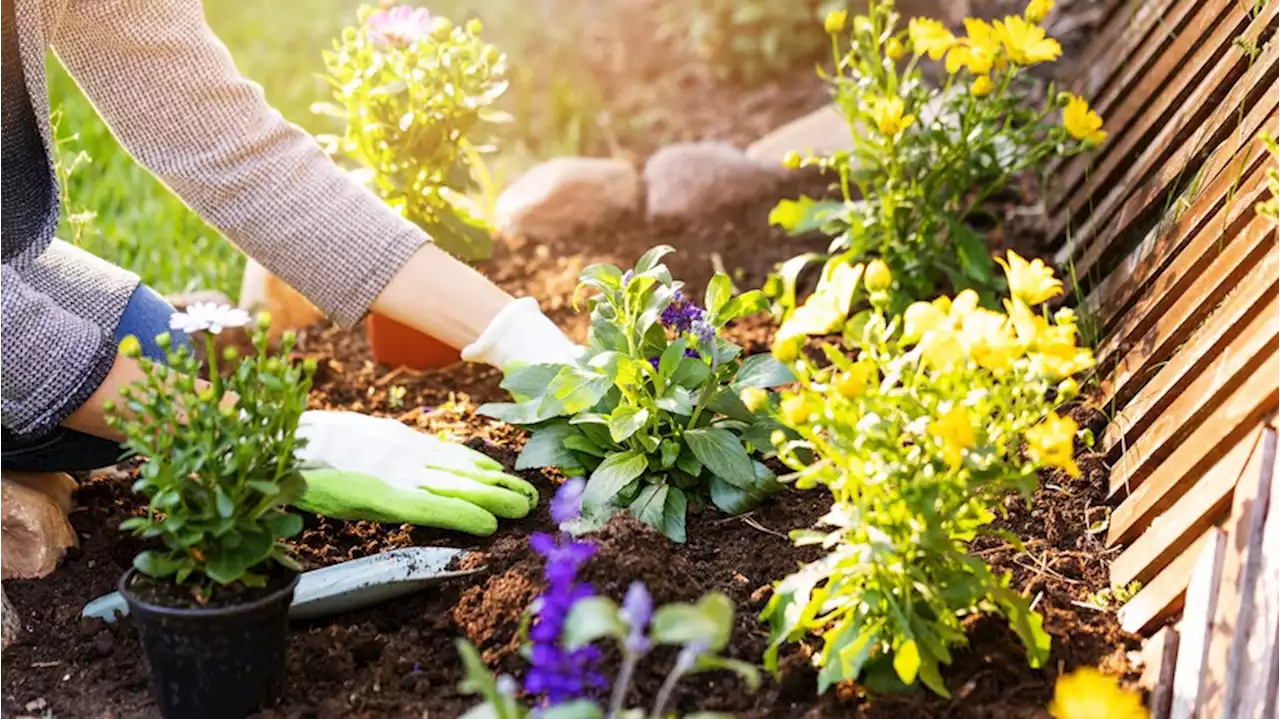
{"x": 692, "y": 353}
{"x": 566, "y": 505}
{"x": 638, "y": 609}
{"x": 627, "y": 277}
{"x": 681, "y": 313}
{"x": 557, "y": 674}
{"x": 398, "y": 26}
{"x": 704, "y": 331}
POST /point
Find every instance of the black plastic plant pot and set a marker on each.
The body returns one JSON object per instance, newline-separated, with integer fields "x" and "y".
{"x": 220, "y": 662}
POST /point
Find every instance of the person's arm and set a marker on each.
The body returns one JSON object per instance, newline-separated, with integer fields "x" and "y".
{"x": 53, "y": 360}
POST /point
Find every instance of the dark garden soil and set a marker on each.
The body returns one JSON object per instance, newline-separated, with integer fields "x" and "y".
{"x": 398, "y": 659}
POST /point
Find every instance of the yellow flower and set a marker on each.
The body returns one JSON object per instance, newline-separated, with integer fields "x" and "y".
{"x": 835, "y": 21}
{"x": 977, "y": 51}
{"x": 930, "y": 37}
{"x": 1087, "y": 693}
{"x": 130, "y": 347}
{"x": 955, "y": 431}
{"x": 921, "y": 318}
{"x": 1037, "y": 10}
{"x": 853, "y": 383}
{"x": 890, "y": 117}
{"x": 981, "y": 87}
{"x": 795, "y": 410}
{"x": 1081, "y": 122}
{"x": 755, "y": 398}
{"x": 877, "y": 276}
{"x": 1032, "y": 282}
{"x": 1025, "y": 43}
{"x": 1052, "y": 442}
{"x": 894, "y": 49}
{"x": 991, "y": 340}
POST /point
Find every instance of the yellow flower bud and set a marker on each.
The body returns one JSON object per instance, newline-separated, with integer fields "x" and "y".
{"x": 206, "y": 394}
{"x": 853, "y": 384}
{"x": 792, "y": 160}
{"x": 229, "y": 354}
{"x": 289, "y": 337}
{"x": 755, "y": 398}
{"x": 878, "y": 277}
{"x": 442, "y": 29}
{"x": 130, "y": 347}
{"x": 835, "y": 21}
{"x": 109, "y": 406}
{"x": 894, "y": 49}
{"x": 1068, "y": 389}
{"x": 795, "y": 410}
{"x": 862, "y": 25}
{"x": 164, "y": 340}
{"x": 474, "y": 26}
{"x": 263, "y": 320}
{"x": 981, "y": 86}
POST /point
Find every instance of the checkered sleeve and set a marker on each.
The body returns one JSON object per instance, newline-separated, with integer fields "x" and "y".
{"x": 52, "y": 361}
{"x": 169, "y": 90}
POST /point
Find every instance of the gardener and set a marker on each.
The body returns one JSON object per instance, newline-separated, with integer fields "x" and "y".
{"x": 170, "y": 92}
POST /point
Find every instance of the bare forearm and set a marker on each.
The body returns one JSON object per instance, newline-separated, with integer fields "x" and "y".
{"x": 442, "y": 297}
{"x": 91, "y": 417}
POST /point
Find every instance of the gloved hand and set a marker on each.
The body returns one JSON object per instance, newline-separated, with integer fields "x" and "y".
{"x": 521, "y": 335}
{"x": 380, "y": 470}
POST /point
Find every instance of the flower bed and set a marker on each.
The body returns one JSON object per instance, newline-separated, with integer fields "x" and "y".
{"x": 399, "y": 659}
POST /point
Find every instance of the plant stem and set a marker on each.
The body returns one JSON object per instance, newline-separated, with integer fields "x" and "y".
{"x": 622, "y": 684}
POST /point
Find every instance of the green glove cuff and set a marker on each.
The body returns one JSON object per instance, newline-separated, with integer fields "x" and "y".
{"x": 356, "y": 496}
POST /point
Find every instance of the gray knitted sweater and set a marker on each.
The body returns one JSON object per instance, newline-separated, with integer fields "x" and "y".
{"x": 170, "y": 92}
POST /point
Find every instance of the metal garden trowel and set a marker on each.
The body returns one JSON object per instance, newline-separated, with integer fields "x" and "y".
{"x": 344, "y": 587}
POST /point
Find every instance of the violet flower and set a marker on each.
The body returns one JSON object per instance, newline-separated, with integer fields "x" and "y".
{"x": 681, "y": 313}
{"x": 637, "y": 607}
{"x": 554, "y": 673}
{"x": 398, "y": 26}
{"x": 704, "y": 331}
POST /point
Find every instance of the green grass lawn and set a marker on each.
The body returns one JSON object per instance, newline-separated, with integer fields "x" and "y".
{"x": 116, "y": 209}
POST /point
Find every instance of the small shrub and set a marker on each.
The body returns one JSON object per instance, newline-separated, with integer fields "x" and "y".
{"x": 651, "y": 411}
{"x": 919, "y": 426}
{"x": 415, "y": 93}
{"x": 748, "y": 40}
{"x": 569, "y": 617}
{"x": 925, "y": 159}
{"x": 222, "y": 462}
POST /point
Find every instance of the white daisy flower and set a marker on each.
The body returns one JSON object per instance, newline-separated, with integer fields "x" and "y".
{"x": 208, "y": 316}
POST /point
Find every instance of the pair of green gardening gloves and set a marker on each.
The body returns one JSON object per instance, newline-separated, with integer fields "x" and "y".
{"x": 378, "y": 469}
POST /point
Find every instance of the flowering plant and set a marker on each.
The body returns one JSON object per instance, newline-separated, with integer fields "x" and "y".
{"x": 652, "y": 409}
{"x": 221, "y": 455}
{"x": 748, "y": 40}
{"x": 925, "y": 159}
{"x": 569, "y": 616}
{"x": 919, "y": 426}
{"x": 415, "y": 93}
{"x": 1087, "y": 693}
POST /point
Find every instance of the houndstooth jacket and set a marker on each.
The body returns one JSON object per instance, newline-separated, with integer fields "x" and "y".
{"x": 170, "y": 92}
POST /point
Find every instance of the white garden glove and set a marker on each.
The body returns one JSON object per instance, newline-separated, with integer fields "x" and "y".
{"x": 521, "y": 335}
{"x": 381, "y": 470}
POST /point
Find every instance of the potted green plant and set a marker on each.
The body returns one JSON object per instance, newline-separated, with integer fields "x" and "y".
{"x": 211, "y": 601}
{"x": 414, "y": 92}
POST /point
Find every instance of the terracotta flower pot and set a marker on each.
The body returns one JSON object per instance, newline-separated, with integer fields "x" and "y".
{"x": 397, "y": 345}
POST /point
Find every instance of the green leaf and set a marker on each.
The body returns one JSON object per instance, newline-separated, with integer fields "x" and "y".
{"x": 691, "y": 373}
{"x": 804, "y": 215}
{"x": 591, "y": 619}
{"x": 748, "y": 672}
{"x": 744, "y": 305}
{"x": 906, "y": 661}
{"x": 155, "y": 565}
{"x": 710, "y": 620}
{"x": 576, "y": 709}
{"x": 728, "y": 403}
{"x": 522, "y": 413}
{"x": 283, "y": 524}
{"x": 650, "y": 258}
{"x": 615, "y": 472}
{"x": 625, "y": 421}
{"x": 574, "y": 390}
{"x": 762, "y": 371}
{"x": 730, "y": 499}
{"x": 719, "y": 291}
{"x": 721, "y": 452}
{"x": 689, "y": 464}
{"x": 673, "y": 515}
{"x": 650, "y": 505}
{"x": 223, "y": 503}
{"x": 581, "y": 444}
{"x": 546, "y": 447}
{"x": 671, "y": 356}
{"x": 530, "y": 381}
{"x": 669, "y": 452}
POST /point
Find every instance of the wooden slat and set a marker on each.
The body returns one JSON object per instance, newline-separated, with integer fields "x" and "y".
{"x": 1159, "y": 659}
{"x": 1163, "y": 597}
{"x": 1244, "y": 264}
{"x": 1202, "y": 368}
{"x": 1199, "y": 398}
{"x": 1240, "y": 574}
{"x": 1197, "y": 621}
{"x": 1204, "y": 505}
{"x": 1228, "y": 423}
{"x": 1258, "y": 673}
{"x": 1135, "y": 106}
{"x": 1185, "y": 102}
{"x": 1224, "y": 182}
{"x": 1207, "y": 116}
